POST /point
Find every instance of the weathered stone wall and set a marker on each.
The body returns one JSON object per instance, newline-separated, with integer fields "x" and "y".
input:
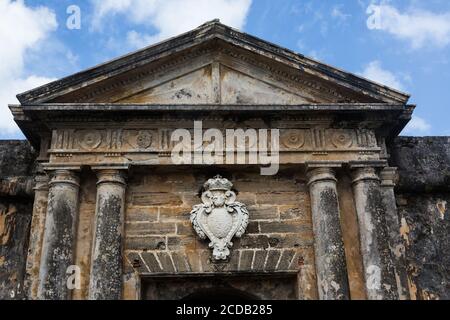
{"x": 160, "y": 238}
{"x": 16, "y": 202}
{"x": 423, "y": 199}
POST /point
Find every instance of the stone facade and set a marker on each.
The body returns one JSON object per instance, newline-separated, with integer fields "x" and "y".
{"x": 112, "y": 216}
{"x": 16, "y": 205}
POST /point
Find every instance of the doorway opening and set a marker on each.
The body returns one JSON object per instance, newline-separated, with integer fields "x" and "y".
{"x": 220, "y": 287}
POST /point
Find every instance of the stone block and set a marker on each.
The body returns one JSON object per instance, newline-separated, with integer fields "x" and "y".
{"x": 141, "y": 214}
{"x": 272, "y": 260}
{"x": 155, "y": 199}
{"x": 278, "y": 198}
{"x": 285, "y": 260}
{"x": 263, "y": 212}
{"x": 259, "y": 260}
{"x": 283, "y": 227}
{"x": 253, "y": 227}
{"x": 180, "y": 261}
{"x": 149, "y": 228}
{"x": 252, "y": 242}
{"x": 152, "y": 262}
{"x": 181, "y": 242}
{"x": 135, "y": 263}
{"x": 246, "y": 259}
{"x": 291, "y": 240}
{"x": 174, "y": 214}
{"x": 185, "y": 228}
{"x": 302, "y": 213}
{"x": 165, "y": 261}
{"x": 145, "y": 243}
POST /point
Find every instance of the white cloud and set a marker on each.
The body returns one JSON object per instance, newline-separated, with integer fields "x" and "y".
{"x": 417, "y": 126}
{"x": 138, "y": 40}
{"x": 419, "y": 27}
{"x": 21, "y": 28}
{"x": 375, "y": 72}
{"x": 338, "y": 14}
{"x": 170, "y": 17}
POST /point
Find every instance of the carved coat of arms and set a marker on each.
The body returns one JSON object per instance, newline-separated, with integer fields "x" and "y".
{"x": 219, "y": 218}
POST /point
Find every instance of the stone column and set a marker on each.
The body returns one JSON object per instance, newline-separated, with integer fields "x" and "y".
{"x": 60, "y": 232}
{"x": 106, "y": 262}
{"x": 377, "y": 262}
{"x": 36, "y": 235}
{"x": 396, "y": 244}
{"x": 331, "y": 266}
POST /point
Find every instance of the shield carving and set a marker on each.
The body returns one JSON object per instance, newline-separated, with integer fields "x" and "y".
{"x": 220, "y": 217}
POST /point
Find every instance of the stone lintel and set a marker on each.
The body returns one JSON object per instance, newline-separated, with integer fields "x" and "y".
{"x": 323, "y": 164}
{"x": 60, "y": 166}
{"x": 105, "y": 166}
{"x": 367, "y": 164}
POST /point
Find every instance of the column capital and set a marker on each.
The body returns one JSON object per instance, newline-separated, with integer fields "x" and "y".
{"x": 389, "y": 177}
{"x": 317, "y": 174}
{"x": 64, "y": 176}
{"x": 41, "y": 182}
{"x": 364, "y": 174}
{"x": 113, "y": 176}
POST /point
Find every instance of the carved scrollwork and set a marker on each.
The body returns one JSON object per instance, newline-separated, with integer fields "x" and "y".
{"x": 219, "y": 218}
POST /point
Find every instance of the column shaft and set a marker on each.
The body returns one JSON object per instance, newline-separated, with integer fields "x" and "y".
{"x": 396, "y": 243}
{"x": 106, "y": 263}
{"x": 378, "y": 268}
{"x": 36, "y": 235}
{"x": 60, "y": 232}
{"x": 331, "y": 267}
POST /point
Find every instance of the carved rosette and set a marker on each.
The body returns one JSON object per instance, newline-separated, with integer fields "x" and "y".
{"x": 144, "y": 139}
{"x": 293, "y": 139}
{"x": 220, "y": 217}
{"x": 89, "y": 139}
{"x": 342, "y": 139}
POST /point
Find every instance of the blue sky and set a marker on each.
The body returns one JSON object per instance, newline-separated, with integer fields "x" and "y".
{"x": 401, "y": 43}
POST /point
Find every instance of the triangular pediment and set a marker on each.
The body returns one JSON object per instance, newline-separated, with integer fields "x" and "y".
{"x": 213, "y": 64}
{"x": 213, "y": 83}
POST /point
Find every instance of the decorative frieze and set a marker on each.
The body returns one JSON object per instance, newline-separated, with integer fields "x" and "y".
{"x": 160, "y": 140}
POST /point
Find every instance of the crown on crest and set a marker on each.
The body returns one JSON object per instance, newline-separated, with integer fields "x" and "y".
{"x": 218, "y": 183}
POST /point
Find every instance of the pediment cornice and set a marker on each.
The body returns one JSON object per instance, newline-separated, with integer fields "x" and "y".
{"x": 318, "y": 78}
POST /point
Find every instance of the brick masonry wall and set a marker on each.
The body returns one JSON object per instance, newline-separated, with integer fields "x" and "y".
{"x": 160, "y": 238}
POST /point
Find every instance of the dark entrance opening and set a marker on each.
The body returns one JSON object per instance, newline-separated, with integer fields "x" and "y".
{"x": 219, "y": 294}
{"x": 215, "y": 287}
